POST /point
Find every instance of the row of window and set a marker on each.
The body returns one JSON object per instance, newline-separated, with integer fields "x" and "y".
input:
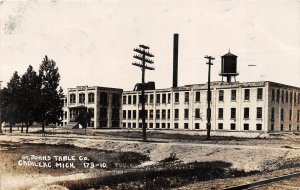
{"x": 281, "y": 127}
{"x": 166, "y": 97}
{"x": 286, "y": 96}
{"x": 246, "y": 126}
{"x": 282, "y": 114}
{"x": 159, "y": 114}
{"x": 259, "y": 112}
{"x": 91, "y": 98}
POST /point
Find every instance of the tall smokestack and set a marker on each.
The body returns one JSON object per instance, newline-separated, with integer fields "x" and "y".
{"x": 175, "y": 61}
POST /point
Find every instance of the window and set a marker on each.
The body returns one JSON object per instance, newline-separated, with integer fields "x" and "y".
{"x": 157, "y": 114}
{"x": 133, "y": 99}
{"x": 298, "y": 115}
{"x": 81, "y": 98}
{"x": 129, "y": 114}
{"x": 290, "y": 127}
{"x": 124, "y": 125}
{"x": 169, "y": 98}
{"x": 246, "y": 113}
{"x": 273, "y": 94}
{"x": 133, "y": 125}
{"x": 221, "y": 95}
{"x": 175, "y": 125}
{"x": 129, "y": 99}
{"x": 273, "y": 114}
{"x": 151, "y": 114}
{"x": 233, "y": 95}
{"x": 272, "y": 127}
{"x": 124, "y": 114}
{"x": 66, "y": 115}
{"x": 220, "y": 126}
{"x": 186, "y": 113}
{"x": 169, "y": 125}
{"x": 186, "y": 126}
{"x": 286, "y": 97}
{"x": 157, "y": 125}
{"x": 282, "y": 96}
{"x": 278, "y": 95}
{"x": 197, "y": 113}
{"x": 103, "y": 98}
{"x": 298, "y": 98}
{"x": 197, "y": 125}
{"x": 176, "y": 114}
{"x": 163, "y": 125}
{"x": 177, "y": 97}
{"x": 247, "y": 94}
{"x": 232, "y": 126}
{"x": 298, "y": 128}
{"x": 220, "y": 113}
{"x": 72, "y": 98}
{"x": 291, "y": 97}
{"x": 259, "y": 113}
{"x": 233, "y": 113}
{"x": 129, "y": 125}
{"x": 124, "y": 99}
{"x": 259, "y": 94}
{"x": 140, "y": 125}
{"x": 295, "y": 98}
{"x": 151, "y": 98}
{"x": 133, "y": 114}
{"x": 163, "y": 114}
{"x": 259, "y": 127}
{"x": 281, "y": 127}
{"x": 91, "y": 98}
{"x": 157, "y": 98}
{"x": 169, "y": 114}
{"x": 282, "y": 115}
{"x": 290, "y": 115}
{"x": 150, "y": 125}
{"x": 164, "y": 98}
{"x": 197, "y": 98}
{"x": 246, "y": 126}
{"x": 186, "y": 97}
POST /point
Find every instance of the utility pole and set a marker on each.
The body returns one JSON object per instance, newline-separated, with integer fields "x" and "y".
{"x": 0, "y": 109}
{"x": 208, "y": 124}
{"x": 143, "y": 57}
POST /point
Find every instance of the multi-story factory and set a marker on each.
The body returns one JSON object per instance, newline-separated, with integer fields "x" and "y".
{"x": 103, "y": 104}
{"x": 250, "y": 106}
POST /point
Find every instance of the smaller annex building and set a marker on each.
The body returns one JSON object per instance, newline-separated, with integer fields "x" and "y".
{"x": 103, "y": 104}
{"x": 249, "y": 106}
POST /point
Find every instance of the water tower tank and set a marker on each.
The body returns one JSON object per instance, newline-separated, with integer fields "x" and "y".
{"x": 229, "y": 66}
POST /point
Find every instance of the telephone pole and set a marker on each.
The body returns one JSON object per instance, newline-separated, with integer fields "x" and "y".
{"x": 208, "y": 124}
{"x": 143, "y": 57}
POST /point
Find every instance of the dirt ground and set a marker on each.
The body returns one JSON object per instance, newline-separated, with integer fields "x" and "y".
{"x": 267, "y": 153}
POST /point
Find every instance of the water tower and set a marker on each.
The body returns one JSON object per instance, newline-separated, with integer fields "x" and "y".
{"x": 229, "y": 66}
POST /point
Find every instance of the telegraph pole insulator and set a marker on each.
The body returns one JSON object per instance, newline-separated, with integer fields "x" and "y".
{"x": 143, "y": 57}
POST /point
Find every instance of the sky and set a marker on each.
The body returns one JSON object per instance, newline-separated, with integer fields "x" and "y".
{"x": 92, "y": 41}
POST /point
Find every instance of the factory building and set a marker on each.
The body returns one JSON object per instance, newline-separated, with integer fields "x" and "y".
{"x": 250, "y": 106}
{"x": 102, "y": 103}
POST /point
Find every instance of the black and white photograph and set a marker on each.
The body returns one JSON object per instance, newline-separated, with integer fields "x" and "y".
{"x": 149, "y": 94}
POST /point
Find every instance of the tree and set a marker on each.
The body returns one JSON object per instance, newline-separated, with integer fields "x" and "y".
{"x": 12, "y": 114}
{"x": 51, "y": 102}
{"x": 30, "y": 97}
